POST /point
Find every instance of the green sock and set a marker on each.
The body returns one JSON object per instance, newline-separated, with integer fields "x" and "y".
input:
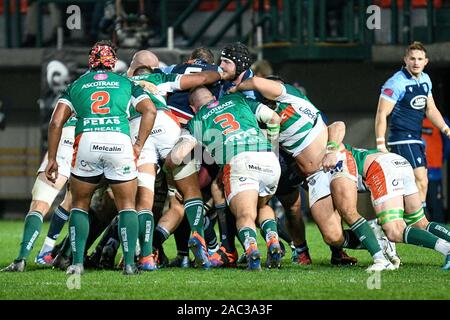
{"x": 31, "y": 230}
{"x": 78, "y": 232}
{"x": 269, "y": 228}
{"x": 146, "y": 227}
{"x": 194, "y": 212}
{"x": 419, "y": 237}
{"x": 439, "y": 230}
{"x": 246, "y": 236}
{"x": 128, "y": 233}
{"x": 365, "y": 234}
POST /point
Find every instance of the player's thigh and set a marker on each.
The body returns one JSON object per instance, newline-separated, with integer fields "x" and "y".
{"x": 124, "y": 194}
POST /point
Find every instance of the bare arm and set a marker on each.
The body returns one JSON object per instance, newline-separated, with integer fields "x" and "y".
{"x": 60, "y": 115}
{"x": 435, "y": 116}
{"x": 193, "y": 80}
{"x": 148, "y": 110}
{"x": 336, "y": 134}
{"x": 268, "y": 88}
{"x": 384, "y": 109}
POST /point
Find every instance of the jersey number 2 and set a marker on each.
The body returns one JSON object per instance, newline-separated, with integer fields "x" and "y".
{"x": 100, "y": 98}
{"x": 230, "y": 124}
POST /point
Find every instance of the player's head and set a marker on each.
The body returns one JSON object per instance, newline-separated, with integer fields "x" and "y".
{"x": 199, "y": 96}
{"x": 235, "y": 59}
{"x": 262, "y": 68}
{"x": 102, "y": 56}
{"x": 142, "y": 70}
{"x": 143, "y": 58}
{"x": 204, "y": 54}
{"x": 415, "y": 58}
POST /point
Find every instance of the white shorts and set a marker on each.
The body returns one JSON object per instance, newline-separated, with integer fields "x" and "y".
{"x": 389, "y": 176}
{"x": 64, "y": 153}
{"x": 165, "y": 133}
{"x": 108, "y": 153}
{"x": 258, "y": 171}
{"x": 319, "y": 183}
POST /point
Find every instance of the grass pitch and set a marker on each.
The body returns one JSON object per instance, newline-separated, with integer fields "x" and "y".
{"x": 419, "y": 277}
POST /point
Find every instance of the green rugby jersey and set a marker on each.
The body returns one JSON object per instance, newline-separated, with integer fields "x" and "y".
{"x": 101, "y": 101}
{"x": 71, "y": 122}
{"x": 298, "y": 117}
{"x": 228, "y": 127}
{"x": 360, "y": 156}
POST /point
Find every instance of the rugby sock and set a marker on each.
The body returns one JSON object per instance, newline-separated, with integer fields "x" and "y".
{"x": 269, "y": 229}
{"x": 210, "y": 234}
{"x": 247, "y": 236}
{"x": 283, "y": 232}
{"x": 351, "y": 241}
{"x": 425, "y": 239}
{"x": 128, "y": 233}
{"x": 31, "y": 230}
{"x": 181, "y": 235}
{"x": 59, "y": 218}
{"x": 194, "y": 211}
{"x": 439, "y": 230}
{"x": 227, "y": 227}
{"x": 78, "y": 232}
{"x": 302, "y": 247}
{"x": 365, "y": 234}
{"x": 146, "y": 227}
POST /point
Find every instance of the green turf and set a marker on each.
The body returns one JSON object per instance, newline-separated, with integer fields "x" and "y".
{"x": 419, "y": 277}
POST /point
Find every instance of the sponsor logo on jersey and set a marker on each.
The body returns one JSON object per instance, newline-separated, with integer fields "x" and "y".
{"x": 68, "y": 142}
{"x": 259, "y": 168}
{"x": 106, "y": 147}
{"x": 157, "y": 131}
{"x": 244, "y": 137}
{"x": 101, "y": 76}
{"x": 217, "y": 109}
{"x": 101, "y": 84}
{"x": 400, "y": 163}
{"x": 419, "y": 102}
{"x": 100, "y": 121}
{"x": 388, "y": 92}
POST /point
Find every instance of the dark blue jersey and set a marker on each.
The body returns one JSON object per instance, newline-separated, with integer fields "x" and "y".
{"x": 410, "y": 97}
{"x": 252, "y": 94}
{"x": 178, "y": 101}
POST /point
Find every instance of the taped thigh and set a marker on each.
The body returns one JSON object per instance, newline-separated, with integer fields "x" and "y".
{"x": 43, "y": 192}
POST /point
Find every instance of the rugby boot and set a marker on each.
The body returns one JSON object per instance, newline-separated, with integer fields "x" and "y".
{"x": 303, "y": 258}
{"x": 75, "y": 269}
{"x": 61, "y": 262}
{"x": 273, "y": 253}
{"x": 15, "y": 266}
{"x": 342, "y": 259}
{"x": 180, "y": 262}
{"x": 107, "y": 258}
{"x": 222, "y": 258}
{"x": 130, "y": 269}
{"x": 446, "y": 265}
{"x": 198, "y": 247}
{"x": 148, "y": 263}
{"x": 44, "y": 258}
{"x": 381, "y": 265}
{"x": 253, "y": 258}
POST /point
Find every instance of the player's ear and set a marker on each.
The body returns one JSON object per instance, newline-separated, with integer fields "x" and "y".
{"x": 426, "y": 62}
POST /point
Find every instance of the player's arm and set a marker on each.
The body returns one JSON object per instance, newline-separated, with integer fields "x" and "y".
{"x": 148, "y": 111}
{"x": 336, "y": 134}
{"x": 270, "y": 89}
{"x": 272, "y": 120}
{"x": 435, "y": 116}
{"x": 384, "y": 109}
{"x": 60, "y": 115}
{"x": 181, "y": 149}
{"x": 192, "y": 80}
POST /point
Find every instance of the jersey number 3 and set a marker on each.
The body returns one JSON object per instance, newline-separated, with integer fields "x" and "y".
{"x": 100, "y": 98}
{"x": 230, "y": 124}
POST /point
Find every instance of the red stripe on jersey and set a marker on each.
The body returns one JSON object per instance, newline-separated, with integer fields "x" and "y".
{"x": 287, "y": 113}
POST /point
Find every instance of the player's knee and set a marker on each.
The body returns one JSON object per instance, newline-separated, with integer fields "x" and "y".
{"x": 333, "y": 238}
{"x": 44, "y": 192}
{"x": 394, "y": 232}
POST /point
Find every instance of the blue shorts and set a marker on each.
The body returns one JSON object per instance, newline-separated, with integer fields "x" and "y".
{"x": 413, "y": 152}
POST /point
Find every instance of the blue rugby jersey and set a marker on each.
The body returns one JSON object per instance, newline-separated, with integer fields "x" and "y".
{"x": 410, "y": 97}
{"x": 178, "y": 101}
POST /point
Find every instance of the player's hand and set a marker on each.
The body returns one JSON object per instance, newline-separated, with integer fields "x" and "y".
{"x": 137, "y": 150}
{"x": 329, "y": 161}
{"x": 51, "y": 171}
{"x": 150, "y": 87}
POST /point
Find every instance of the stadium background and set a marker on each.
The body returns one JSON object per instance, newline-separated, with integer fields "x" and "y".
{"x": 325, "y": 46}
